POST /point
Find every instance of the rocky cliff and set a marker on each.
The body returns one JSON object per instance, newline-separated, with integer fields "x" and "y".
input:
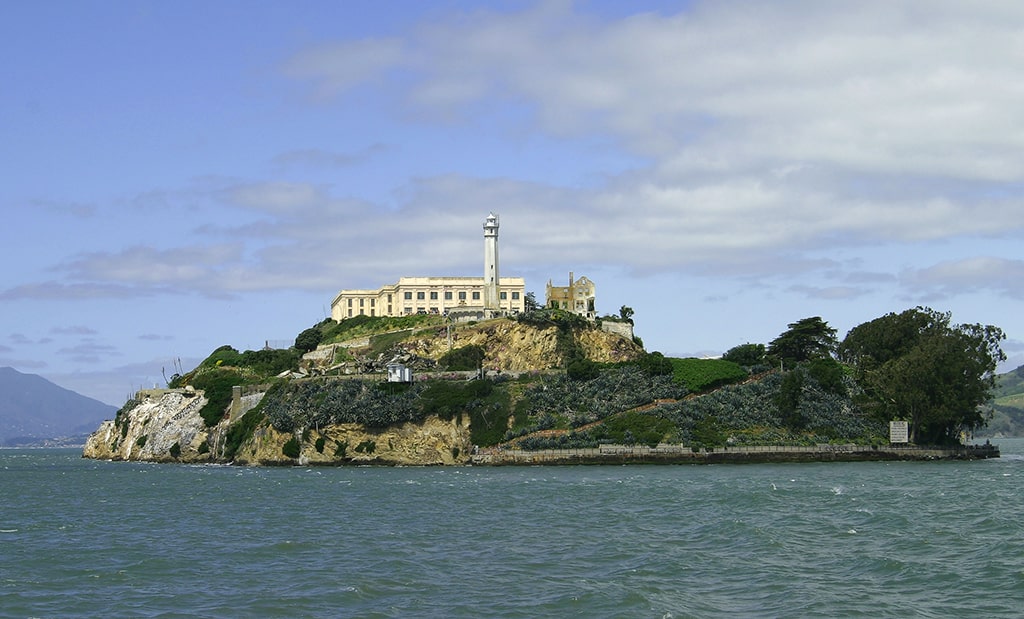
{"x": 518, "y": 347}
{"x": 430, "y": 442}
{"x": 160, "y": 423}
{"x": 165, "y": 426}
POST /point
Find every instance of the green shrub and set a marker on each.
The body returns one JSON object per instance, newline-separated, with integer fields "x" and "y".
{"x": 319, "y": 444}
{"x": 308, "y": 339}
{"x": 175, "y": 450}
{"x": 633, "y": 428}
{"x": 470, "y": 357}
{"x": 447, "y": 399}
{"x": 291, "y": 448}
{"x": 705, "y": 374}
{"x": 204, "y": 447}
{"x": 747, "y": 355}
{"x": 216, "y": 384}
{"x": 366, "y": 447}
{"x": 240, "y": 431}
{"x": 340, "y": 447}
{"x": 141, "y": 441}
{"x": 656, "y": 364}
{"x": 582, "y": 369}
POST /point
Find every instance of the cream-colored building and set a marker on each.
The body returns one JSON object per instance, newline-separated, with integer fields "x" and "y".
{"x": 455, "y": 296}
{"x": 460, "y": 297}
{"x": 578, "y": 297}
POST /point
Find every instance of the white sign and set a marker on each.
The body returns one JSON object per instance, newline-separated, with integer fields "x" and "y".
{"x": 899, "y": 432}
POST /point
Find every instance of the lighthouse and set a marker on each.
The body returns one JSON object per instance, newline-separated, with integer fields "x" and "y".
{"x": 491, "y": 303}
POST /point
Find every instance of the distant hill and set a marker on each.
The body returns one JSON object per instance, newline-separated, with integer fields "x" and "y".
{"x": 34, "y": 411}
{"x": 1008, "y": 419}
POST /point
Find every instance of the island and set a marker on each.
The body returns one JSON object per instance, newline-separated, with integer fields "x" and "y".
{"x": 473, "y": 370}
{"x": 549, "y": 386}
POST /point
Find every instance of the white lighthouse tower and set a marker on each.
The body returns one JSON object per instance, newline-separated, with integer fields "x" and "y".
{"x": 491, "y": 303}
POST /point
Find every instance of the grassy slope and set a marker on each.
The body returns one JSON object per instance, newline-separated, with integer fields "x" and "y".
{"x": 1008, "y": 419}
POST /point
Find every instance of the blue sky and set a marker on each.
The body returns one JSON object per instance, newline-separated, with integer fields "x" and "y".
{"x": 182, "y": 175}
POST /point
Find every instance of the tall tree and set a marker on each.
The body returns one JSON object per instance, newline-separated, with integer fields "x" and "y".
{"x": 918, "y": 366}
{"x": 806, "y": 339}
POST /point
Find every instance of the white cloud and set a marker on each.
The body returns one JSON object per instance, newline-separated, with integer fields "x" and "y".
{"x": 981, "y": 273}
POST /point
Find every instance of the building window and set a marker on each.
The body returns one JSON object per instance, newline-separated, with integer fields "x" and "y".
{"x": 350, "y": 302}
{"x": 362, "y": 302}
{"x": 462, "y": 296}
{"x": 373, "y": 302}
{"x": 389, "y": 310}
{"x": 408, "y": 297}
{"x": 433, "y": 296}
{"x": 350, "y": 313}
{"x": 476, "y": 296}
{"x": 448, "y": 295}
{"x": 515, "y": 296}
{"x": 389, "y": 298}
{"x": 420, "y": 296}
{"x": 504, "y": 295}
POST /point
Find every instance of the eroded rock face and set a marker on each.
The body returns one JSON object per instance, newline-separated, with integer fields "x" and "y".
{"x": 151, "y": 429}
{"x": 431, "y": 442}
{"x": 516, "y": 347}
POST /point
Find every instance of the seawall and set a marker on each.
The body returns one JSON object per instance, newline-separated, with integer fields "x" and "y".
{"x": 681, "y": 454}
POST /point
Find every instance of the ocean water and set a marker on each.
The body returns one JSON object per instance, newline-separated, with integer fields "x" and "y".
{"x": 81, "y": 538}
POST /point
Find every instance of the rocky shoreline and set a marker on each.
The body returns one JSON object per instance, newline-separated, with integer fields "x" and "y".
{"x": 680, "y": 454}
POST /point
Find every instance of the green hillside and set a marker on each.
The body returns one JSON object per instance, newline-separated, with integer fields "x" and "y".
{"x": 1008, "y": 405}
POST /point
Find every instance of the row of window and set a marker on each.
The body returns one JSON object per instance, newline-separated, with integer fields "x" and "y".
{"x": 448, "y": 295}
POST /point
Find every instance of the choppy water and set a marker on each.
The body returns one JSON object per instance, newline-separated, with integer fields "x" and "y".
{"x": 86, "y": 538}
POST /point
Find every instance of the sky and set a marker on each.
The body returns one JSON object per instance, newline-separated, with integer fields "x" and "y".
{"x": 177, "y": 176}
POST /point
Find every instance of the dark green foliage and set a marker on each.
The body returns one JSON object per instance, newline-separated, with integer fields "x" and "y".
{"x": 319, "y": 444}
{"x": 581, "y": 402}
{"x": 366, "y": 447}
{"x": 340, "y": 447}
{"x": 488, "y": 420}
{"x": 530, "y": 303}
{"x": 707, "y": 434}
{"x": 626, "y": 313}
{"x": 224, "y": 355}
{"x": 268, "y": 363}
{"x": 749, "y": 414}
{"x": 301, "y": 405}
{"x": 291, "y": 448}
{"x": 261, "y": 363}
{"x": 470, "y": 357}
{"x": 748, "y": 355}
{"x": 918, "y": 366}
{"x": 175, "y": 450}
{"x": 806, "y": 339}
{"x": 582, "y": 369}
{"x": 360, "y": 326}
{"x": 240, "y": 431}
{"x": 633, "y": 428}
{"x": 217, "y": 384}
{"x": 447, "y": 399}
{"x": 656, "y": 364}
{"x": 700, "y": 375}
{"x": 309, "y": 339}
{"x": 204, "y": 447}
{"x": 141, "y": 441}
{"x": 829, "y": 375}
{"x": 788, "y": 399}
